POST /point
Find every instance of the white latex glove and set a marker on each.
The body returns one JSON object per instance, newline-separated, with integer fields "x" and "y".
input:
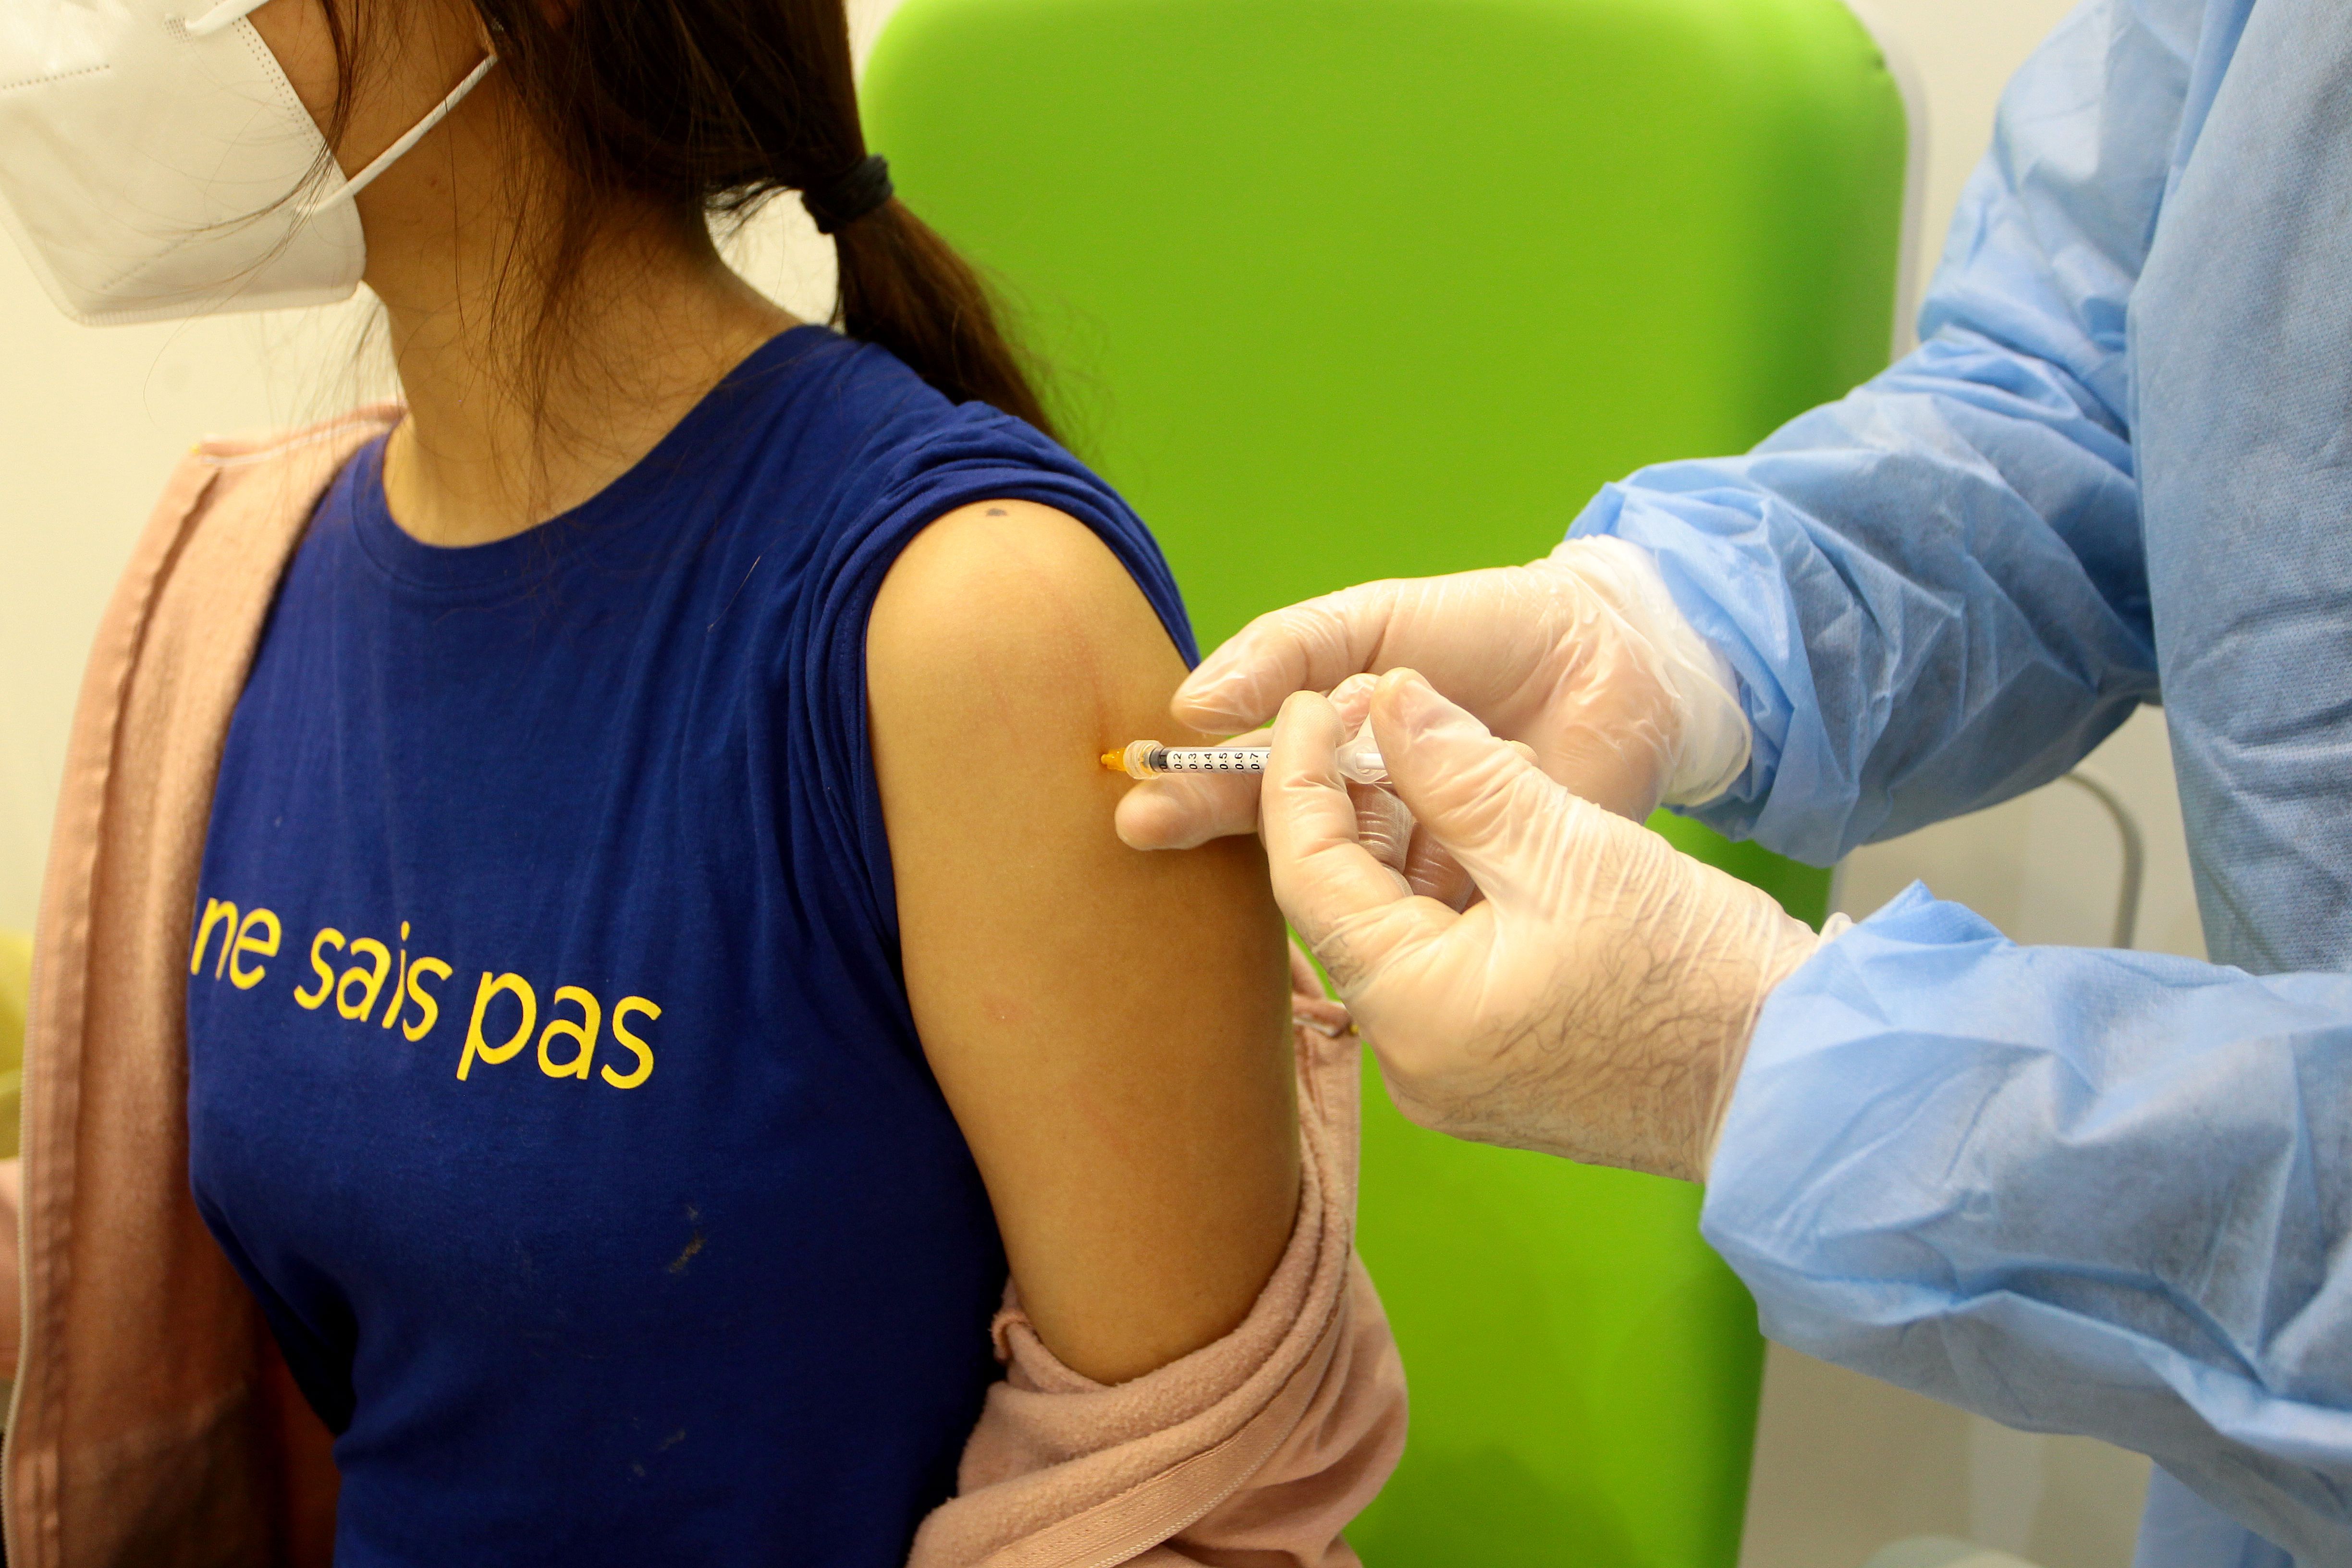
{"x": 1596, "y": 1004}
{"x": 1583, "y": 656}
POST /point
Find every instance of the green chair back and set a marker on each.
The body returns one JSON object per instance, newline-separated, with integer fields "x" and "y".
{"x": 1337, "y": 289}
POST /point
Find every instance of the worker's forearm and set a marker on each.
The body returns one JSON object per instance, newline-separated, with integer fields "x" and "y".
{"x": 1930, "y": 605}
{"x": 2094, "y": 1192}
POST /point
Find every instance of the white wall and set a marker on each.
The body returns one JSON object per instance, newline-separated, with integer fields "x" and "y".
{"x": 90, "y": 422}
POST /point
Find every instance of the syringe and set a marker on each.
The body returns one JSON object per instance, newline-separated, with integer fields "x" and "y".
{"x": 1360, "y": 759}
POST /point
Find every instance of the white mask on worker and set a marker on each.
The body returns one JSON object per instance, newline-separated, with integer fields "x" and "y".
{"x": 156, "y": 165}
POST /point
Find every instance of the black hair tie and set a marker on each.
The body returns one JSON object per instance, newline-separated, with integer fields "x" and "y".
{"x": 837, "y": 203}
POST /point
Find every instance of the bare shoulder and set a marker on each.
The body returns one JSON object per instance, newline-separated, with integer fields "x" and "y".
{"x": 1006, "y": 589}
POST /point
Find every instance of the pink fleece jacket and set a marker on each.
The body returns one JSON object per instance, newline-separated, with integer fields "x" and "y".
{"x": 156, "y": 1425}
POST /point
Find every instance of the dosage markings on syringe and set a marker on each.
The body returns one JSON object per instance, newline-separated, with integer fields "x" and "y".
{"x": 1215, "y": 759}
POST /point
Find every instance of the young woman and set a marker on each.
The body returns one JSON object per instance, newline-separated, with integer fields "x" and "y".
{"x": 660, "y": 954}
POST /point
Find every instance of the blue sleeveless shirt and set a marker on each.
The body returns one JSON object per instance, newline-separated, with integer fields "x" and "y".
{"x": 553, "y": 1082}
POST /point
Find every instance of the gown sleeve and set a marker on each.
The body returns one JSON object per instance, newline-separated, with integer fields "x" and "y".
{"x": 2073, "y": 1191}
{"x": 2077, "y": 1191}
{"x": 1933, "y": 592}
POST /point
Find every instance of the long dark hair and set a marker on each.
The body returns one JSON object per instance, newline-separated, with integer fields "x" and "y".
{"x": 710, "y": 107}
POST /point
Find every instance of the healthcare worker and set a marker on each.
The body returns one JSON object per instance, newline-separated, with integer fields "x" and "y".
{"x": 2106, "y": 1193}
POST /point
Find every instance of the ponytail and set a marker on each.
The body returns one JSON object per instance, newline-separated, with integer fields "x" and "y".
{"x": 903, "y": 289}
{"x": 713, "y": 106}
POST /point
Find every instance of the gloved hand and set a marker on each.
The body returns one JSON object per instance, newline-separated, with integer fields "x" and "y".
{"x": 1596, "y": 1004}
{"x": 1583, "y": 654}
{"x": 1384, "y": 825}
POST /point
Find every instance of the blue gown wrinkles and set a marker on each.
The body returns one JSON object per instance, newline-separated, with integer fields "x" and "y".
{"x": 2075, "y": 1190}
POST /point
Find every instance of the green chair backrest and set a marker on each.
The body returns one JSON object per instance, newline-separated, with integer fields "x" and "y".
{"x": 1336, "y": 289}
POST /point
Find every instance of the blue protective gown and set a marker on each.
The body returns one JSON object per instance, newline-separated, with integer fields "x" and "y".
{"x": 2075, "y": 1190}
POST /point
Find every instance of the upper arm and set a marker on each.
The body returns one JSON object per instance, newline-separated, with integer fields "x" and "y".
{"x": 1109, "y": 1027}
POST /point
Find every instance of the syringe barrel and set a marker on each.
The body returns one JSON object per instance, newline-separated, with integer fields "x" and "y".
{"x": 1360, "y": 759}
{"x": 1144, "y": 759}
{"x": 1208, "y": 760}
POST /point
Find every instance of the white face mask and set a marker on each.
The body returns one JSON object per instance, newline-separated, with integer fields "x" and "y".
{"x": 154, "y": 165}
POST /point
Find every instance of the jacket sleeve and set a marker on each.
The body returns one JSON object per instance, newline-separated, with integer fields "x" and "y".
{"x": 2104, "y": 1193}
{"x": 1933, "y": 592}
